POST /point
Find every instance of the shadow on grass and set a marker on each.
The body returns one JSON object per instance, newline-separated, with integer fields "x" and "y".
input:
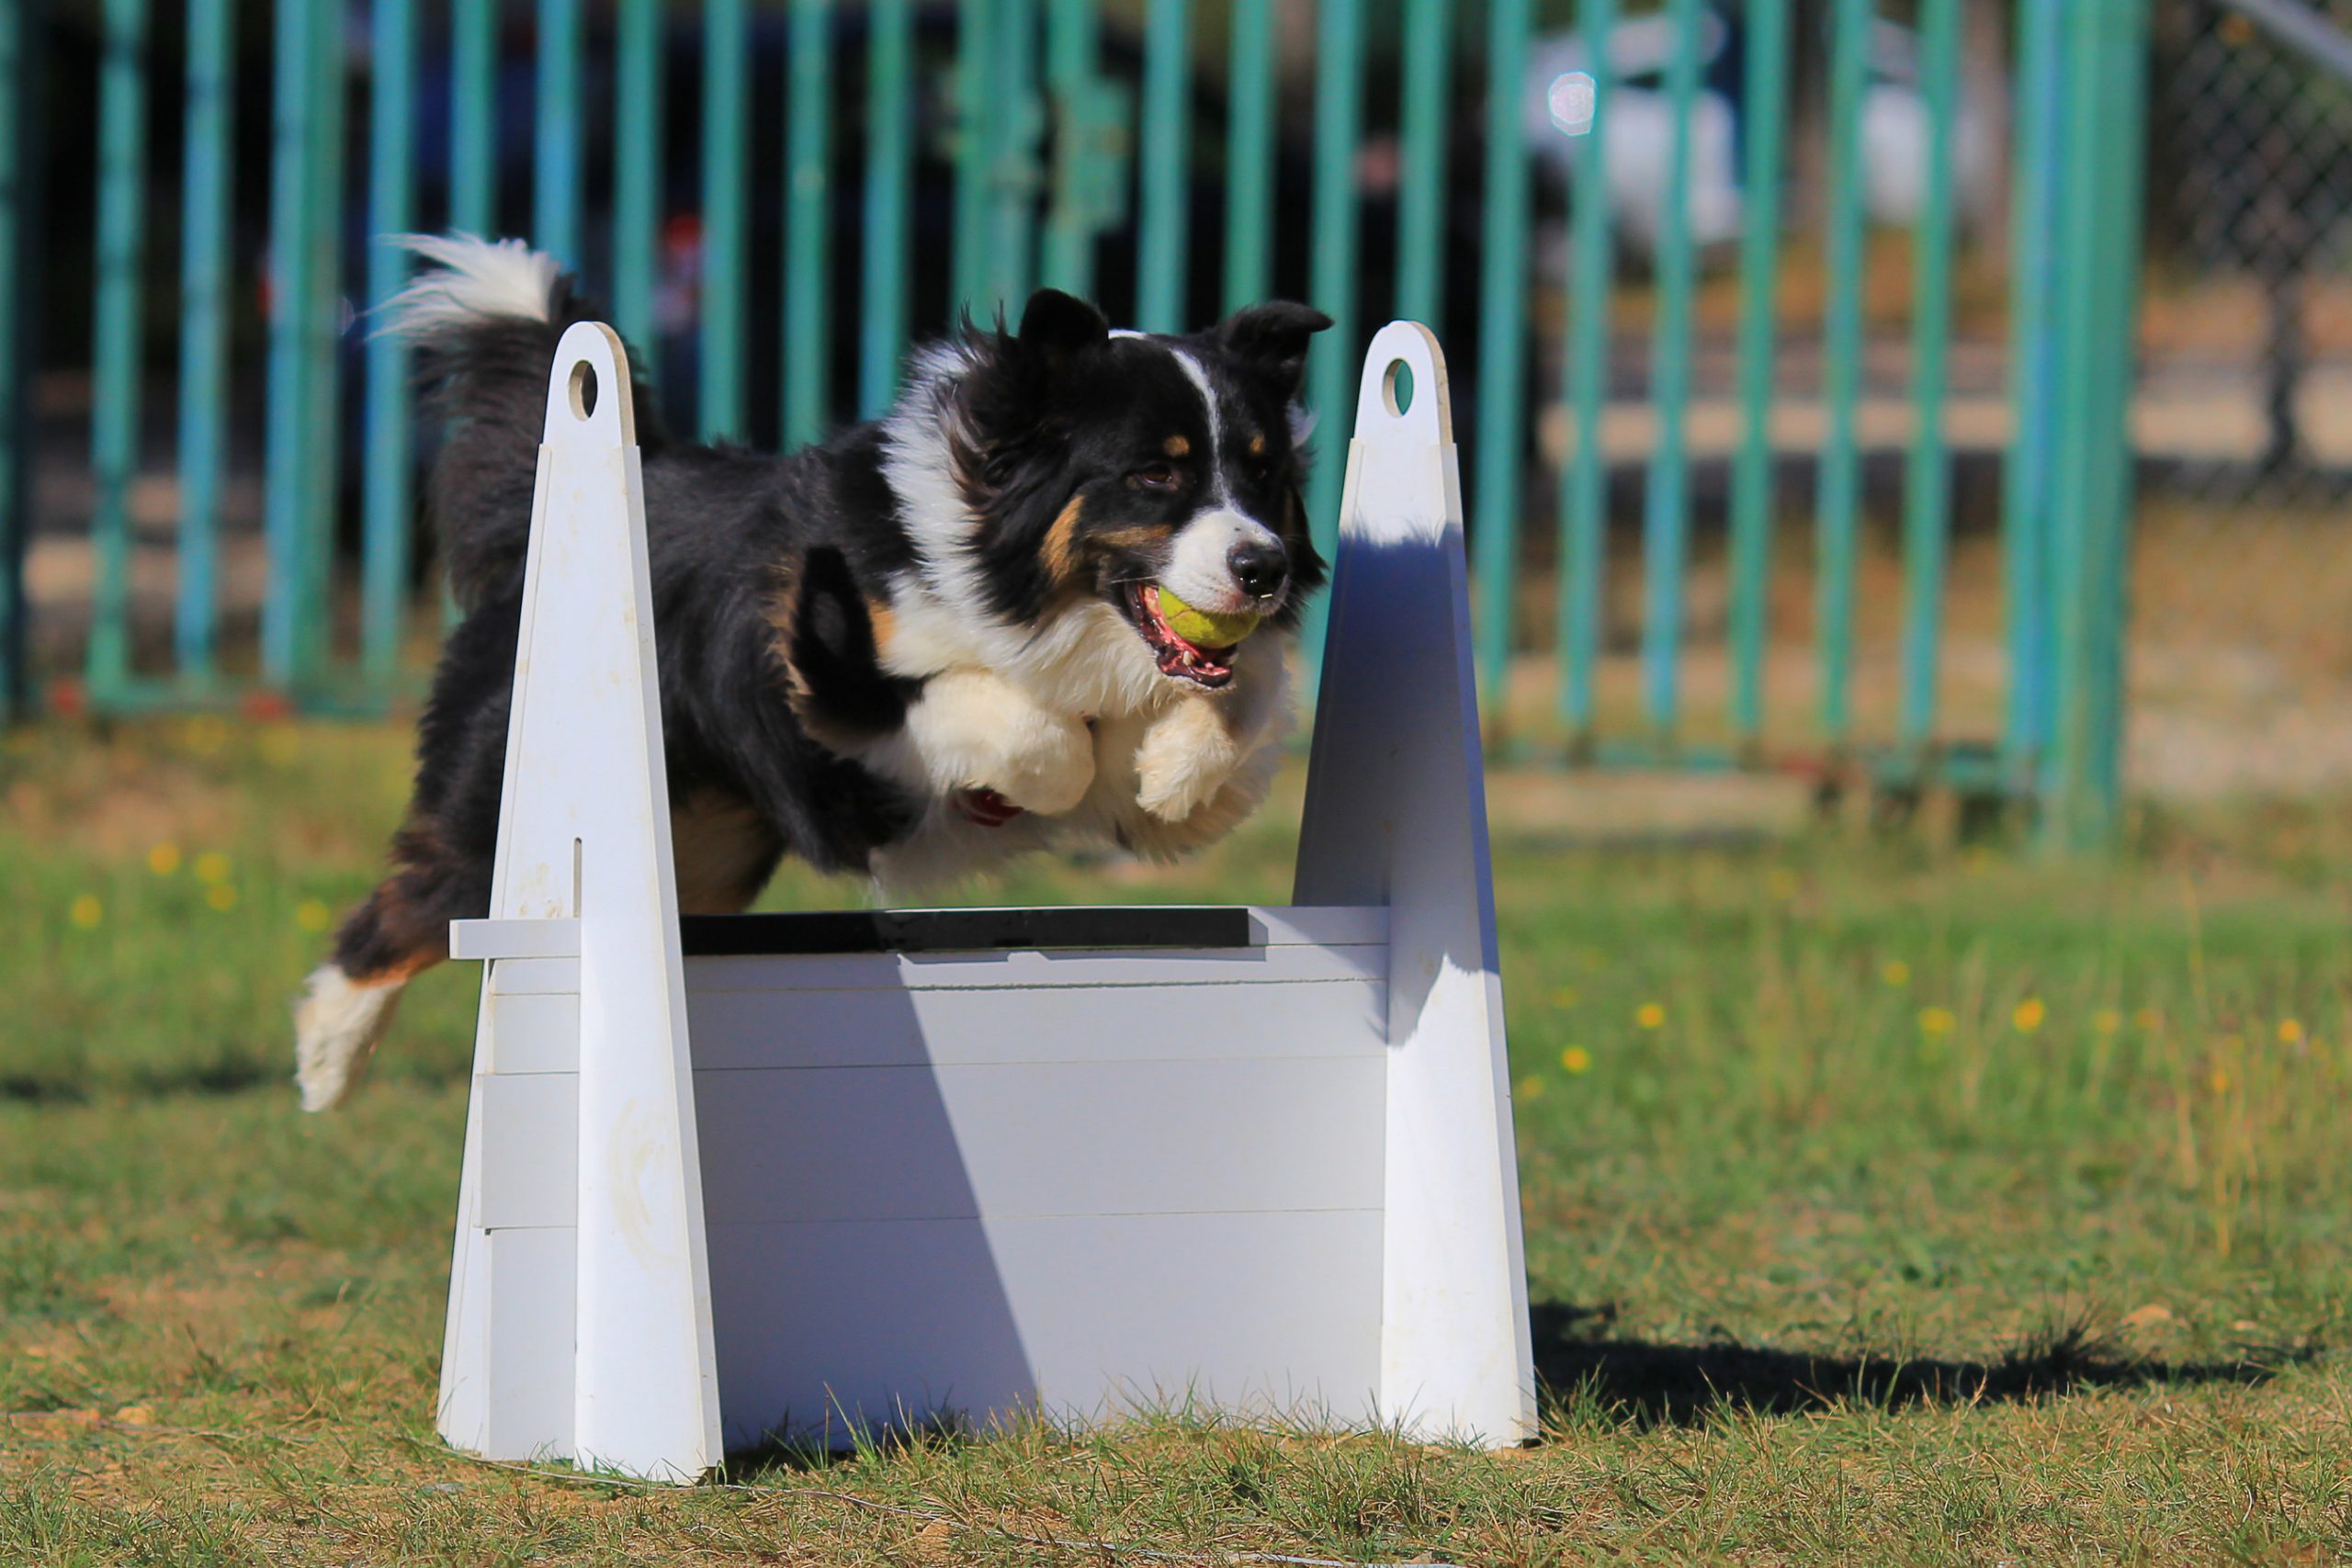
{"x": 1577, "y": 1358}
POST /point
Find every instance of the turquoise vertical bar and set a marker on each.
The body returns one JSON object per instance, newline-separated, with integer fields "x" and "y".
{"x": 473, "y": 125}
{"x": 1760, "y": 285}
{"x": 1666, "y": 522}
{"x": 286, "y": 435}
{"x": 1502, "y": 350}
{"x": 889, "y": 160}
{"x": 1338, "y": 355}
{"x": 2036, "y": 181}
{"x": 976, "y": 141}
{"x": 207, "y": 173}
{"x": 2120, "y": 53}
{"x": 1165, "y": 178}
{"x": 389, "y": 505}
{"x": 1073, "y": 41}
{"x": 1249, "y": 158}
{"x": 636, "y": 173}
{"x": 114, "y": 354}
{"x": 2071, "y": 806}
{"x": 1926, "y": 499}
{"x": 1584, "y": 478}
{"x": 1427, "y": 66}
{"x": 1838, "y": 522}
{"x": 807, "y": 237}
{"x": 12, "y": 315}
{"x": 725, "y": 70}
{"x": 555, "y": 185}
{"x": 1015, "y": 126}
{"x": 323, "y": 435}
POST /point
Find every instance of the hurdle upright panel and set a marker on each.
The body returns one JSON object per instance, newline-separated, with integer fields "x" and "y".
{"x": 794, "y": 1175}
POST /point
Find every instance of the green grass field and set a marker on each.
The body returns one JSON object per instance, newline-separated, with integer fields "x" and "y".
{"x": 1886, "y": 1201}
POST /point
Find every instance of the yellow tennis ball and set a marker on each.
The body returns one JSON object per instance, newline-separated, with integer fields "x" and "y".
{"x": 1204, "y": 628}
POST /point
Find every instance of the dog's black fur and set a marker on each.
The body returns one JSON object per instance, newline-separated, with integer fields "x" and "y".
{"x": 773, "y": 577}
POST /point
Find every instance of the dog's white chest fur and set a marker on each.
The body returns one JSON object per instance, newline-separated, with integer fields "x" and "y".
{"x": 1078, "y": 729}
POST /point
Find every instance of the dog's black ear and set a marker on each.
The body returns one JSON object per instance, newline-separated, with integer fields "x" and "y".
{"x": 1056, "y": 328}
{"x": 1271, "y": 340}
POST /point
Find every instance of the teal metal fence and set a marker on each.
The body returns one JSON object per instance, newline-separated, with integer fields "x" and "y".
{"x": 897, "y": 163}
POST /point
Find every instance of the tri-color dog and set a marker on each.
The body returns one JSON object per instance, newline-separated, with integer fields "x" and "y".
{"x": 928, "y": 644}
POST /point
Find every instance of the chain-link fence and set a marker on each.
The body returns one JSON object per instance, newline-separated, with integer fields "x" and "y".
{"x": 2242, "y": 654}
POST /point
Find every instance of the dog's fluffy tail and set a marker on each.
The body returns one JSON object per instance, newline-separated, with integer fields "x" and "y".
{"x": 485, "y": 321}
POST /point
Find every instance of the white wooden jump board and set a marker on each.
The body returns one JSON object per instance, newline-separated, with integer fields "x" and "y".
{"x": 980, "y": 1181}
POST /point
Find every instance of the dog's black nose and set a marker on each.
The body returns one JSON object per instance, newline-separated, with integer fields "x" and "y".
{"x": 1260, "y": 566}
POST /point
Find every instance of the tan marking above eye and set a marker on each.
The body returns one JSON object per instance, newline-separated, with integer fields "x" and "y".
{"x": 886, "y": 622}
{"x": 1135, "y": 536}
{"x": 1176, "y": 447}
{"x": 1257, "y": 446}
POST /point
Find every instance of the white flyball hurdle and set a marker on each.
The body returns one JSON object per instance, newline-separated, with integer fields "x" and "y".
{"x": 977, "y": 1163}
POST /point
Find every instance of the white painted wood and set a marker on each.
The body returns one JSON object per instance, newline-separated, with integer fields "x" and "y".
{"x": 1395, "y": 814}
{"x": 1335, "y": 926}
{"x": 532, "y": 1392}
{"x": 461, "y": 1410}
{"x": 537, "y": 977}
{"x": 922, "y": 1026}
{"x": 536, "y": 1032}
{"x": 1083, "y": 1316}
{"x": 1275, "y": 1178}
{"x": 584, "y": 835}
{"x": 530, "y": 1126}
{"x": 1101, "y": 1138}
{"x": 514, "y": 938}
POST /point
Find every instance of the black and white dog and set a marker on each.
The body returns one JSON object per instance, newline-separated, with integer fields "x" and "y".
{"x": 930, "y": 644}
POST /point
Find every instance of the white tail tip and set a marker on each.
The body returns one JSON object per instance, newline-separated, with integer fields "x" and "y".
{"x": 336, "y": 1026}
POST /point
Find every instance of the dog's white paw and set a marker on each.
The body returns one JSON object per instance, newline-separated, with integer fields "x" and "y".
{"x": 1186, "y": 757}
{"x": 335, "y": 1029}
{"x": 975, "y": 730}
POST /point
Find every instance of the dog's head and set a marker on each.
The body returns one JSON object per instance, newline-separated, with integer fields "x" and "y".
{"x": 1106, "y": 466}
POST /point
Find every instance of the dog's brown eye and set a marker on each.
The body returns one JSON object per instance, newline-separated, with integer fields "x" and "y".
{"x": 1159, "y": 476}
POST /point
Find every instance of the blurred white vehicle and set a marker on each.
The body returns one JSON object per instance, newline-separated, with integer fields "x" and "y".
{"x": 1639, "y": 141}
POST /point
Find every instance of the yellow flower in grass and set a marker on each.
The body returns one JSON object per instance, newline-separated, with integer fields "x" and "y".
{"x": 1936, "y": 1020}
{"x": 221, "y": 896}
{"x": 312, "y": 914}
{"x": 1528, "y": 1087}
{"x": 206, "y": 733}
{"x": 1895, "y": 972}
{"x": 164, "y": 859}
{"x": 277, "y": 745}
{"x": 86, "y": 911}
{"x": 212, "y": 866}
{"x": 2291, "y": 1032}
{"x": 2027, "y": 1016}
{"x": 1650, "y": 1015}
{"x": 2219, "y": 1082}
{"x": 2108, "y": 1021}
{"x": 1576, "y": 1059}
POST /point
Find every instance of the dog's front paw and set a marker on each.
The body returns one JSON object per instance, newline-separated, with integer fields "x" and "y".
{"x": 1186, "y": 757}
{"x": 975, "y": 730}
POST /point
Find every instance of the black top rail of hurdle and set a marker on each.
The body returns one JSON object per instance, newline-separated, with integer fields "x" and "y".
{"x": 965, "y": 930}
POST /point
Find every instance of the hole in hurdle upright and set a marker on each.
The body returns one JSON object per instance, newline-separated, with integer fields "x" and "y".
{"x": 923, "y": 1163}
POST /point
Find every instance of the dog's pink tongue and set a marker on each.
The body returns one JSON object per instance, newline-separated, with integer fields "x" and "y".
{"x": 986, "y": 808}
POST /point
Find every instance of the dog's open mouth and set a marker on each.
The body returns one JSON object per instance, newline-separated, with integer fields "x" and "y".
{"x": 1180, "y": 660}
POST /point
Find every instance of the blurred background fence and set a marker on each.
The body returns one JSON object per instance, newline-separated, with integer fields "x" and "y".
{"x": 1814, "y": 415}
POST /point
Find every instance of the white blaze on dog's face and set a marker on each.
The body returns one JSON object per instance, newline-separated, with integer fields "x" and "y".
{"x": 1099, "y": 468}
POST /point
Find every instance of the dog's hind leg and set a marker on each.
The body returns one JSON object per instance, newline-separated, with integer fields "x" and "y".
{"x": 401, "y": 931}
